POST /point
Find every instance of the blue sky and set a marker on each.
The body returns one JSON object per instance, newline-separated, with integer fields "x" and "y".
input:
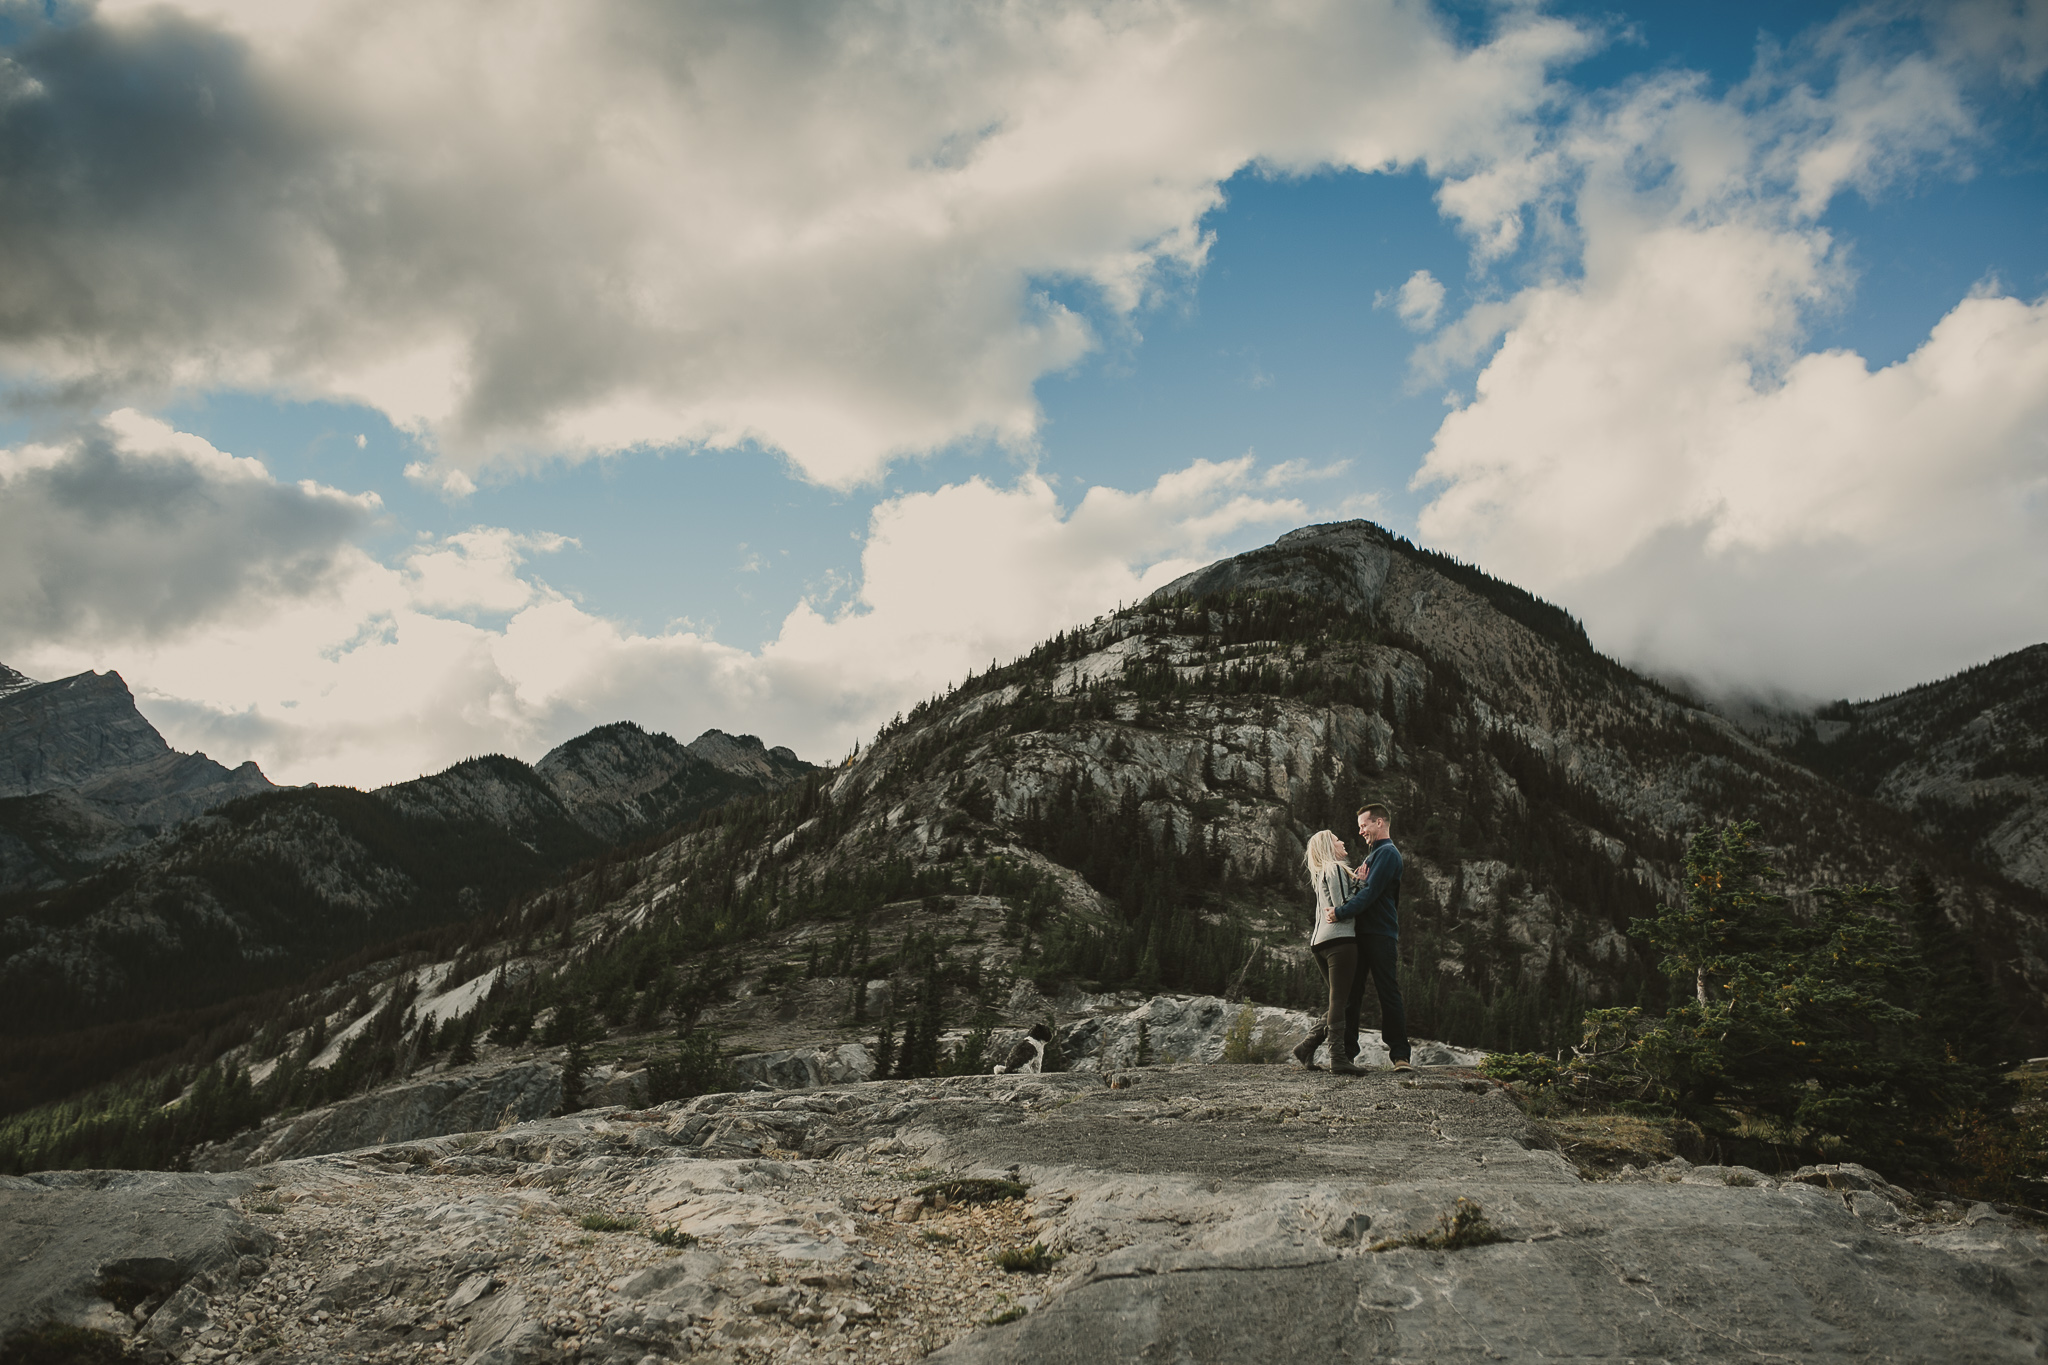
{"x": 1227, "y": 355}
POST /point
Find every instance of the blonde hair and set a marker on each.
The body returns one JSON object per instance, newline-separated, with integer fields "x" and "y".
{"x": 1323, "y": 850}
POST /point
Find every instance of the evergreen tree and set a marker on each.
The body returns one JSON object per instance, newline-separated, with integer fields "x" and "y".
{"x": 579, "y": 1030}
{"x": 464, "y": 1051}
{"x": 885, "y": 1046}
{"x": 1805, "y": 1021}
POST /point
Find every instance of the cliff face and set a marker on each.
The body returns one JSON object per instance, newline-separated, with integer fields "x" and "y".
{"x": 83, "y": 777}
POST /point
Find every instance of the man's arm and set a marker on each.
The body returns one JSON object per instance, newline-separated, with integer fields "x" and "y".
{"x": 1378, "y": 876}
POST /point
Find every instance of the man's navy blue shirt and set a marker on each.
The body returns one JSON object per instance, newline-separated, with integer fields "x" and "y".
{"x": 1377, "y": 904}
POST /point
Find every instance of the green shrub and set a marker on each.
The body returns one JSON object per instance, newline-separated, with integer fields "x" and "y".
{"x": 606, "y": 1222}
{"x": 1465, "y": 1225}
{"x": 1031, "y": 1260}
{"x": 975, "y": 1190}
{"x": 1522, "y": 1068}
{"x": 1237, "y": 1039}
{"x": 697, "y": 1066}
{"x": 672, "y": 1237}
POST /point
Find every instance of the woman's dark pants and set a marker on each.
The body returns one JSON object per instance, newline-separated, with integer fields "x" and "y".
{"x": 1342, "y": 969}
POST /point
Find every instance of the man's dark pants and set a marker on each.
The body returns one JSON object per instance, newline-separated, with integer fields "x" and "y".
{"x": 1342, "y": 969}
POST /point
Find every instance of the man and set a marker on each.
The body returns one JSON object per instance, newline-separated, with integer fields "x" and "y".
{"x": 1376, "y": 909}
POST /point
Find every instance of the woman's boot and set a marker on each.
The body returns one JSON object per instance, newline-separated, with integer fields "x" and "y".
{"x": 1305, "y": 1050}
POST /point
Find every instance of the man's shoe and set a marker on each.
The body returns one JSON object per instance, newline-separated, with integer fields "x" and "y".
{"x": 1403, "y": 1065}
{"x": 1305, "y": 1050}
{"x": 1344, "y": 1066}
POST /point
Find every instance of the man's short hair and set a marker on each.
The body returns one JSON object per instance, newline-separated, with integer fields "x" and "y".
{"x": 1378, "y": 808}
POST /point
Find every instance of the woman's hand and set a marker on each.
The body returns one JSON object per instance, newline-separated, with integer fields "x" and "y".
{"x": 1331, "y": 914}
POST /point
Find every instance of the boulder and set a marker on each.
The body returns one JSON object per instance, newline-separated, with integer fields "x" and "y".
{"x": 806, "y": 1068}
{"x": 82, "y": 1245}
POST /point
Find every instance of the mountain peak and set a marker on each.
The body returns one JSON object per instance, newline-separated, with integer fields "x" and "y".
{"x": 11, "y": 681}
{"x": 746, "y": 756}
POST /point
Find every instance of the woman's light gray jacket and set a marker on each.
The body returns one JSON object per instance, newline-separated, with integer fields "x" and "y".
{"x": 1334, "y": 885}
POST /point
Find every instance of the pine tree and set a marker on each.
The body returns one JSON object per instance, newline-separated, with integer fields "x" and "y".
{"x": 885, "y": 1046}
{"x": 464, "y": 1051}
{"x": 579, "y": 1030}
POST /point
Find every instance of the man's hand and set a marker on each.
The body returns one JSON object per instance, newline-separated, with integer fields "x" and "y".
{"x": 1331, "y": 914}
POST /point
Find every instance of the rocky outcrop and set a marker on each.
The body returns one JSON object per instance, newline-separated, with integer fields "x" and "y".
{"x": 746, "y": 756}
{"x": 1213, "y": 1213}
{"x": 423, "y": 1109}
{"x": 807, "y": 1067}
{"x": 102, "y": 1250}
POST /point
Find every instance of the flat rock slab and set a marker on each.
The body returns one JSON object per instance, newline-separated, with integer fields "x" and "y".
{"x": 1228, "y": 1214}
{"x": 1265, "y": 1123}
{"x": 140, "y": 1234}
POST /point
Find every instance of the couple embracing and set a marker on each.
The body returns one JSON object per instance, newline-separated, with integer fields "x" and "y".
{"x": 1357, "y": 929}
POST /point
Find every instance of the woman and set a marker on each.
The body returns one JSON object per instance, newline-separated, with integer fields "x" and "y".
{"x": 1335, "y": 944}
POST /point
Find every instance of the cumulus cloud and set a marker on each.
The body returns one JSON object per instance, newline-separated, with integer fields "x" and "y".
{"x": 128, "y": 529}
{"x": 1649, "y": 442}
{"x": 458, "y": 646}
{"x": 527, "y": 228}
{"x": 1417, "y": 302}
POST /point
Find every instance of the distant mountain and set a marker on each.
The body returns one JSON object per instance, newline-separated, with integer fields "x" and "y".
{"x": 269, "y": 886}
{"x": 1966, "y": 758}
{"x": 83, "y": 777}
{"x": 619, "y": 779}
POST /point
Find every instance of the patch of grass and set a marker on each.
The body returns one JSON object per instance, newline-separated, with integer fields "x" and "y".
{"x": 1031, "y": 1260}
{"x": 974, "y": 1190}
{"x": 943, "y": 1239}
{"x": 1603, "y": 1142}
{"x": 58, "y": 1343}
{"x": 672, "y": 1237}
{"x": 606, "y": 1222}
{"x": 1010, "y": 1314}
{"x": 266, "y": 1206}
{"x": 1464, "y": 1226}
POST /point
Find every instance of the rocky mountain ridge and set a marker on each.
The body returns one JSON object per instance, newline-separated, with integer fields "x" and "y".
{"x": 84, "y": 778}
{"x": 257, "y": 892}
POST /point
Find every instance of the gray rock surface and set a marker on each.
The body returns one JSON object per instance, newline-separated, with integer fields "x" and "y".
{"x": 801, "y": 1068}
{"x": 1191, "y": 1212}
{"x": 405, "y": 1113}
{"x": 79, "y": 1243}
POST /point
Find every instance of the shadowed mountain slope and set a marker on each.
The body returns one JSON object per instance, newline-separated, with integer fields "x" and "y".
{"x": 1966, "y": 757}
{"x": 263, "y": 889}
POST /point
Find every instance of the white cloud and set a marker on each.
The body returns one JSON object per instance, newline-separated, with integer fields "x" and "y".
{"x": 528, "y": 228}
{"x": 1417, "y": 302}
{"x": 387, "y": 671}
{"x": 1651, "y": 445}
